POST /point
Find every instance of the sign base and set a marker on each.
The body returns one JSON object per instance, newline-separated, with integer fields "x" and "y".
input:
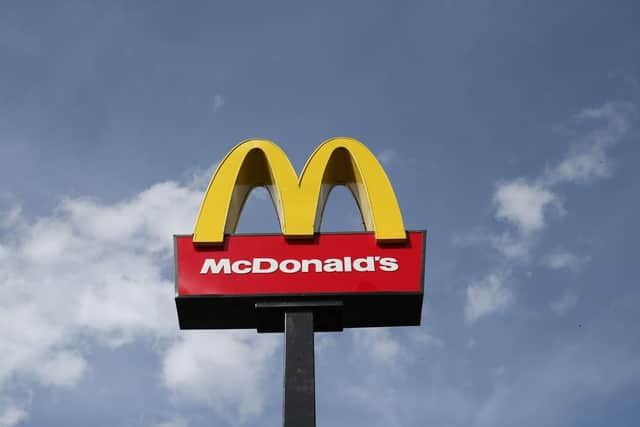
{"x": 250, "y": 312}
{"x": 272, "y": 315}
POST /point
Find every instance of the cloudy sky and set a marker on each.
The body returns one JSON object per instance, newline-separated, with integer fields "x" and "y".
{"x": 510, "y": 131}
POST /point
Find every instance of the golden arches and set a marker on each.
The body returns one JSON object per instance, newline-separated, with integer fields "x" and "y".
{"x": 299, "y": 202}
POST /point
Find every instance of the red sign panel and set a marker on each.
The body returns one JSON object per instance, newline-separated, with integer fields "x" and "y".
{"x": 344, "y": 263}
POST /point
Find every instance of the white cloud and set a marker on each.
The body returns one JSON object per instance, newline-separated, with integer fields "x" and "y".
{"x": 523, "y": 204}
{"x": 487, "y": 296}
{"x": 62, "y": 369}
{"x": 10, "y": 216}
{"x": 94, "y": 271}
{"x": 564, "y": 260}
{"x": 224, "y": 370}
{"x": 616, "y": 116}
{"x": 387, "y": 156}
{"x": 324, "y": 343}
{"x": 583, "y": 164}
{"x": 564, "y": 304}
{"x": 91, "y": 270}
{"x": 218, "y": 102}
{"x": 511, "y": 246}
{"x": 201, "y": 177}
{"x": 588, "y": 158}
{"x": 173, "y": 422}
{"x": 378, "y": 345}
{"x": 11, "y": 415}
{"x": 260, "y": 193}
{"x": 426, "y": 340}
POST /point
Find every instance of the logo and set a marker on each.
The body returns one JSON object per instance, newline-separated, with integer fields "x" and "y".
{"x": 299, "y": 202}
{"x": 368, "y": 278}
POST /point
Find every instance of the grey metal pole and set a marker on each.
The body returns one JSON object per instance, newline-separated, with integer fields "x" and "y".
{"x": 299, "y": 406}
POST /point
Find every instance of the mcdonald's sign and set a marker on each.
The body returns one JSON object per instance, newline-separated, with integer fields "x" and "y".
{"x": 370, "y": 278}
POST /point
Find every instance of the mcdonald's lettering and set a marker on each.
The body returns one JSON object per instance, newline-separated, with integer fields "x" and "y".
{"x": 314, "y": 265}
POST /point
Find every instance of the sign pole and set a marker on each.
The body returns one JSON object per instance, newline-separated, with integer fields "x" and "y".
{"x": 299, "y": 403}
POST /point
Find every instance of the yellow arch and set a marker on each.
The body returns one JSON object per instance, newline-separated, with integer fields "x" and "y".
{"x": 299, "y": 203}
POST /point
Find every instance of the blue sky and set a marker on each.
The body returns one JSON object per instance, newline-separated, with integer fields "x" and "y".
{"x": 509, "y": 131}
